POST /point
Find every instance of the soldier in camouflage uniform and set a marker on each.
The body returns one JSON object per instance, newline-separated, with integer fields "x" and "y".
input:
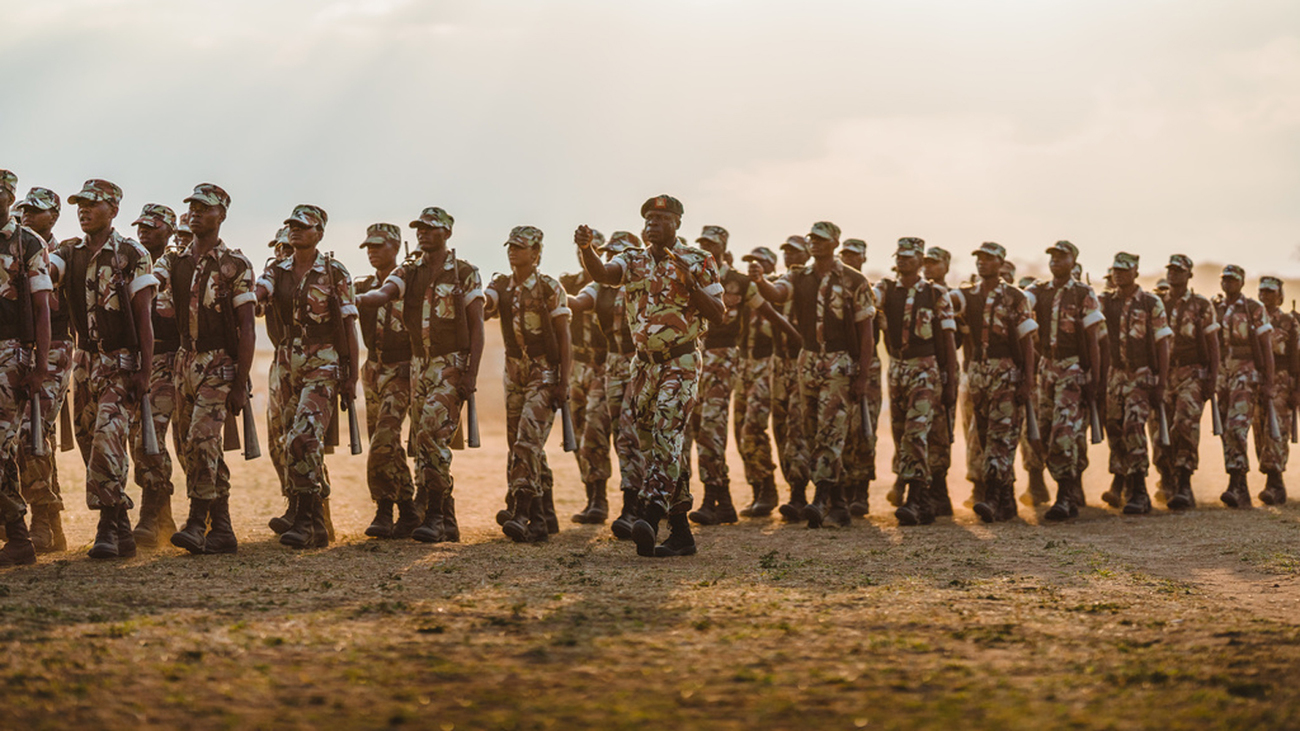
{"x": 153, "y": 472}
{"x": 833, "y": 310}
{"x": 212, "y": 295}
{"x": 442, "y": 311}
{"x": 1035, "y": 493}
{"x": 752, "y": 406}
{"x": 534, "y": 314}
{"x": 917, "y": 325}
{"x": 24, "y": 354}
{"x": 787, "y": 405}
{"x": 39, "y": 474}
{"x": 1245, "y": 379}
{"x": 108, "y": 284}
{"x": 311, "y": 296}
{"x": 936, "y": 264}
{"x": 670, "y": 288}
{"x": 1000, "y": 368}
{"x": 1273, "y": 452}
{"x": 386, "y": 380}
{"x": 860, "y": 457}
{"x": 591, "y": 421}
{"x": 1069, "y": 371}
{"x": 1139, "y": 367}
{"x": 1193, "y": 371}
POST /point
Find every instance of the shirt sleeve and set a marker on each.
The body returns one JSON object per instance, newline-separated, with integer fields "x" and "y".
{"x": 241, "y": 285}
{"x": 623, "y": 263}
{"x": 398, "y": 279}
{"x": 1209, "y": 318}
{"x": 864, "y": 303}
{"x": 267, "y": 280}
{"x": 141, "y": 274}
{"x": 1023, "y": 318}
{"x": 1160, "y": 321}
{"x": 472, "y": 283}
{"x": 943, "y": 308}
{"x": 346, "y": 292}
{"x": 1260, "y": 322}
{"x": 1091, "y": 308}
{"x": 558, "y": 302}
{"x": 38, "y": 268}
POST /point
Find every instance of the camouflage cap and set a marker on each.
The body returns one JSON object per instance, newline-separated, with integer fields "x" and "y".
{"x": 826, "y": 230}
{"x": 9, "y": 182}
{"x": 1064, "y": 247}
{"x": 1162, "y": 285}
{"x": 1124, "y": 261}
{"x": 95, "y": 190}
{"x": 1025, "y": 282}
{"x": 155, "y": 215}
{"x": 662, "y": 203}
{"x": 183, "y": 226}
{"x": 1232, "y": 270}
{"x": 434, "y": 217}
{"x": 934, "y": 253}
{"x": 714, "y": 234}
{"x": 798, "y": 243}
{"x": 308, "y": 215}
{"x": 621, "y": 241}
{"x": 910, "y": 246}
{"x": 991, "y": 248}
{"x": 382, "y": 234}
{"x": 281, "y": 237}
{"x": 1179, "y": 261}
{"x": 42, "y": 199}
{"x": 1272, "y": 283}
{"x": 854, "y": 246}
{"x": 761, "y": 254}
{"x": 525, "y": 237}
{"x": 1077, "y": 271}
{"x": 209, "y": 194}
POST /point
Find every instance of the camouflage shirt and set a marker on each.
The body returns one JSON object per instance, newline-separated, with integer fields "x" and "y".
{"x": 441, "y": 295}
{"x": 383, "y": 329}
{"x": 659, "y": 304}
{"x": 1134, "y": 324}
{"x": 1192, "y": 318}
{"x": 1286, "y": 338}
{"x": 588, "y": 339}
{"x": 90, "y": 287}
{"x": 1063, "y": 313}
{"x": 842, "y": 291}
{"x": 221, "y": 278}
{"x": 21, "y": 254}
{"x": 913, "y": 316}
{"x": 308, "y": 304}
{"x": 533, "y": 304}
{"x": 993, "y": 323}
{"x": 1242, "y": 321}
{"x": 612, "y": 313}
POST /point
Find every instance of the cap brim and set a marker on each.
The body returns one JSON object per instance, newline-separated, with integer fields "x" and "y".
{"x": 32, "y": 204}
{"x": 147, "y": 221}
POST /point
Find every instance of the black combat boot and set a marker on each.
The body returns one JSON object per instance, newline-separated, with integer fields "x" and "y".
{"x": 707, "y": 512}
{"x": 768, "y": 498}
{"x": 191, "y": 537}
{"x": 1181, "y": 499}
{"x": 281, "y": 523}
{"x": 302, "y": 531}
{"x": 1037, "y": 493}
{"x": 125, "y": 538}
{"x": 1232, "y": 497}
{"x": 1139, "y": 502}
{"x": 221, "y": 537}
{"x": 47, "y": 529}
{"x": 431, "y": 530}
{"x": 916, "y": 509}
{"x": 815, "y": 511}
{"x": 680, "y": 541}
{"x": 792, "y": 511}
{"x": 18, "y": 549}
{"x": 382, "y": 525}
{"x": 1114, "y": 497}
{"x": 724, "y": 510}
{"x": 748, "y": 510}
{"x": 859, "y": 506}
{"x": 105, "y": 545}
{"x": 1274, "y": 492}
{"x": 645, "y": 531}
{"x": 978, "y": 491}
{"x": 322, "y": 527}
{"x": 450, "y": 528}
{"x": 622, "y": 525}
{"x": 939, "y": 496}
{"x": 1063, "y": 508}
{"x": 516, "y": 529}
{"x": 990, "y": 506}
{"x": 539, "y": 521}
{"x": 552, "y": 522}
{"x": 837, "y": 513}
{"x": 597, "y": 510}
{"x": 895, "y": 495}
{"x": 581, "y": 515}
{"x": 1007, "y": 507}
{"x": 509, "y": 512}
{"x": 408, "y": 519}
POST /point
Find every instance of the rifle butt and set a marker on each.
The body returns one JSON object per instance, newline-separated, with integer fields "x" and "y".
{"x": 471, "y": 421}
{"x": 864, "y": 413}
{"x": 1274, "y": 427}
{"x": 230, "y": 433}
{"x": 37, "y": 430}
{"x": 1164, "y": 426}
{"x": 354, "y": 428}
{"x": 147, "y": 433}
{"x": 1031, "y": 424}
{"x": 566, "y": 424}
{"x": 1094, "y": 421}
{"x": 252, "y": 450}
{"x": 1216, "y": 416}
{"x": 67, "y": 439}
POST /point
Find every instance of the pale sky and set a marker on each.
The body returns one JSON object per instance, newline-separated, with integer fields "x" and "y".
{"x": 1148, "y": 126}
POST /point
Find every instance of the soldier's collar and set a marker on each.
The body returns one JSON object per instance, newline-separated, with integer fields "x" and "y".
{"x": 214, "y": 252}
{"x": 530, "y": 281}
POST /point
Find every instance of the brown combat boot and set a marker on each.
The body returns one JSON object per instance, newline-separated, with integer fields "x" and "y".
{"x": 1064, "y": 507}
{"x": 155, "y": 518}
{"x": 748, "y": 510}
{"x": 1139, "y": 502}
{"x": 815, "y": 512}
{"x": 221, "y": 538}
{"x": 281, "y": 523}
{"x": 408, "y": 519}
{"x": 382, "y": 525}
{"x": 1274, "y": 492}
{"x": 47, "y": 529}
{"x": 516, "y": 528}
{"x": 18, "y": 549}
{"x": 431, "y": 530}
{"x": 1181, "y": 499}
{"x": 724, "y": 511}
{"x": 125, "y": 539}
{"x": 792, "y": 510}
{"x": 1238, "y": 494}
{"x": 105, "y": 545}
{"x": 302, "y": 532}
{"x": 939, "y": 496}
{"x": 990, "y": 506}
{"x": 706, "y": 514}
{"x": 192, "y": 536}
{"x": 837, "y": 513}
{"x": 450, "y": 528}
{"x": 597, "y": 510}
{"x": 551, "y": 520}
{"x": 859, "y": 506}
{"x": 916, "y": 509}
{"x": 1114, "y": 497}
{"x": 767, "y": 500}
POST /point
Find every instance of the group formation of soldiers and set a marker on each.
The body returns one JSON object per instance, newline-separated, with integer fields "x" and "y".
{"x": 653, "y": 347}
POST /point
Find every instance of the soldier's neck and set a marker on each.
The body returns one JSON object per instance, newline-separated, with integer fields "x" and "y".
{"x": 908, "y": 280}
{"x": 1231, "y": 297}
{"x": 95, "y": 241}
{"x": 46, "y": 234}
{"x": 381, "y": 274}
{"x": 1128, "y": 289}
{"x": 1061, "y": 281}
{"x": 1177, "y": 293}
{"x": 522, "y": 273}
{"x": 823, "y": 264}
{"x": 205, "y": 243}
{"x": 988, "y": 284}
{"x": 304, "y": 258}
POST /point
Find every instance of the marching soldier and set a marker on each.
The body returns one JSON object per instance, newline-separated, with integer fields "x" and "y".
{"x": 670, "y": 288}
{"x": 591, "y": 422}
{"x": 860, "y": 459}
{"x": 386, "y": 381}
{"x": 1069, "y": 374}
{"x": 1246, "y": 378}
{"x": 39, "y": 474}
{"x": 1193, "y": 371}
{"x": 1035, "y": 493}
{"x": 213, "y": 296}
{"x": 787, "y": 404}
{"x": 936, "y": 263}
{"x": 24, "y": 346}
{"x": 153, "y": 472}
{"x": 107, "y": 282}
{"x": 282, "y": 250}
{"x": 1272, "y": 451}
{"x": 753, "y": 402}
{"x": 1000, "y": 369}
{"x": 442, "y": 312}
{"x": 312, "y": 297}
{"x": 833, "y": 311}
{"x": 917, "y": 325}
{"x": 1139, "y": 368}
{"x": 534, "y": 316}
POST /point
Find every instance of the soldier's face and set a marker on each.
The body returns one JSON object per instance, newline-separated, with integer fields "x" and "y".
{"x": 382, "y": 256}
{"x": 1270, "y": 297}
{"x": 716, "y": 250}
{"x": 1231, "y": 286}
{"x": 935, "y": 269}
{"x": 822, "y": 247}
{"x": 794, "y": 257}
{"x": 661, "y": 228}
{"x": 6, "y": 201}
{"x": 431, "y": 238}
{"x": 768, "y": 267}
{"x": 987, "y": 265}
{"x": 1061, "y": 264}
{"x": 1124, "y": 278}
{"x": 184, "y": 238}
{"x": 38, "y": 220}
{"x": 907, "y": 265}
{"x": 852, "y": 259}
{"x": 205, "y": 219}
{"x": 1177, "y": 276}
{"x": 523, "y": 257}
{"x": 301, "y": 236}
{"x": 95, "y": 217}
{"x": 153, "y": 238}
{"x": 1007, "y": 271}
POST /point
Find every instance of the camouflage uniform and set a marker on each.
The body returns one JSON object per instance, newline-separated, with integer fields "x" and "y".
{"x": 591, "y": 416}
{"x": 153, "y": 473}
{"x": 752, "y": 406}
{"x": 1273, "y": 453}
{"x": 386, "y": 379}
{"x": 1192, "y": 319}
{"x": 1242, "y": 322}
{"x": 860, "y": 450}
{"x": 787, "y": 421}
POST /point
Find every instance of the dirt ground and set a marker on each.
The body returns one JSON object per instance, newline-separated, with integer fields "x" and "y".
{"x": 1167, "y": 621}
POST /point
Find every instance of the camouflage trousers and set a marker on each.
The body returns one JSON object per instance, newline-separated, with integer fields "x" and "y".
{"x": 618, "y": 374}
{"x": 708, "y": 423}
{"x": 435, "y": 415}
{"x": 154, "y": 472}
{"x": 974, "y": 454}
{"x": 825, "y": 384}
{"x": 996, "y": 418}
{"x": 39, "y": 476}
{"x": 860, "y": 452}
{"x": 275, "y": 400}
{"x": 105, "y": 411}
{"x": 1128, "y": 409}
{"x": 387, "y": 389}
{"x": 13, "y": 411}
{"x": 941, "y": 436}
{"x": 787, "y": 421}
{"x": 659, "y": 401}
{"x": 306, "y": 383}
{"x": 597, "y": 422}
{"x": 1062, "y": 418}
{"x": 754, "y": 404}
{"x": 203, "y": 383}
{"x": 1184, "y": 404}
{"x": 529, "y": 418}
{"x": 913, "y": 385}
{"x": 1238, "y": 387}
{"x": 1273, "y": 453}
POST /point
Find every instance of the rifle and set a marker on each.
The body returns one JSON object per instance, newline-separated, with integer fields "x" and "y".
{"x": 566, "y": 425}
{"x": 147, "y": 434}
{"x": 1164, "y": 426}
{"x": 251, "y": 450}
{"x": 343, "y": 346}
{"x": 1216, "y": 416}
{"x": 471, "y": 419}
{"x": 66, "y": 438}
{"x": 1094, "y": 421}
{"x": 1274, "y": 428}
